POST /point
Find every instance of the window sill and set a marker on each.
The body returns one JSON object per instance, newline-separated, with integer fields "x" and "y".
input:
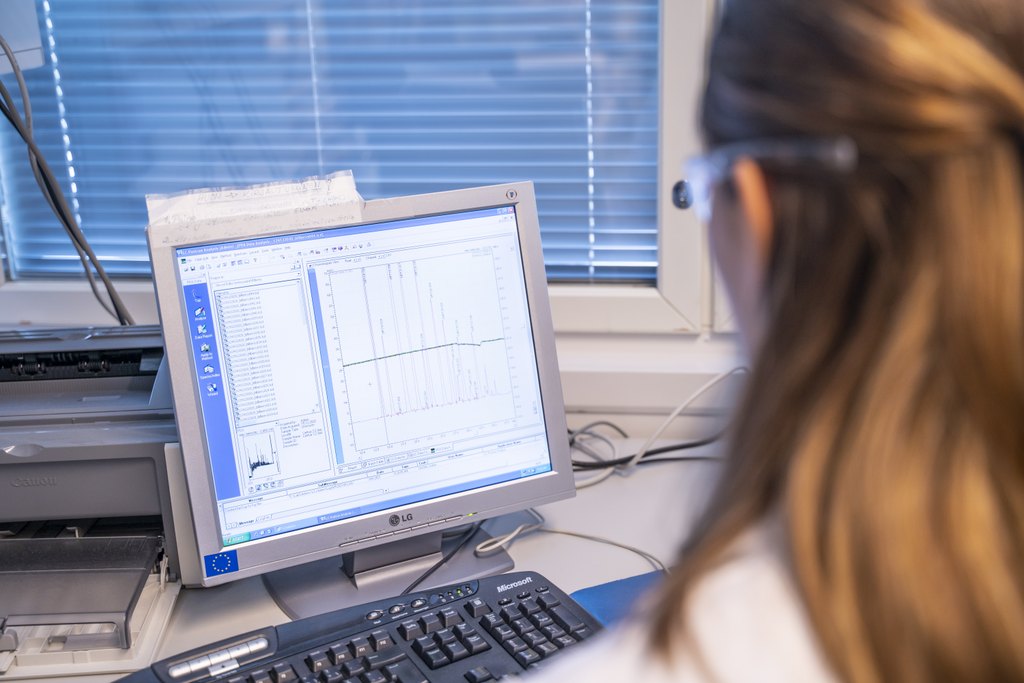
{"x": 619, "y": 351}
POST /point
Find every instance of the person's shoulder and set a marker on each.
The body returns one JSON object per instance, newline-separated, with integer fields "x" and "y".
{"x": 747, "y": 620}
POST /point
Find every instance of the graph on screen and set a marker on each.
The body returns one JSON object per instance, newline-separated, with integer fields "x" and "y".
{"x": 422, "y": 345}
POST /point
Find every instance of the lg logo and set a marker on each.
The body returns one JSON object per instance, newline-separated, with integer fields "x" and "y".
{"x": 395, "y": 520}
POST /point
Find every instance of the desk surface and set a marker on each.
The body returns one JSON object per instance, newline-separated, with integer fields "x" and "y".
{"x": 651, "y": 508}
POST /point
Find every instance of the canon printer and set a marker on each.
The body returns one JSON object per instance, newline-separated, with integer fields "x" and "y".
{"x": 89, "y": 567}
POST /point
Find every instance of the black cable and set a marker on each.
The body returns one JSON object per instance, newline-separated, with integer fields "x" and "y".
{"x": 8, "y": 107}
{"x": 681, "y": 458}
{"x": 58, "y": 204}
{"x": 573, "y": 433}
{"x": 579, "y": 465}
{"x": 54, "y": 195}
{"x": 467, "y": 534}
{"x": 55, "y": 198}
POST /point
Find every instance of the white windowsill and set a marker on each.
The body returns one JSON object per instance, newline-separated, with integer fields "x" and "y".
{"x": 626, "y": 363}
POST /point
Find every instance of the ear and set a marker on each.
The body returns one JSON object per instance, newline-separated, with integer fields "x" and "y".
{"x": 755, "y": 205}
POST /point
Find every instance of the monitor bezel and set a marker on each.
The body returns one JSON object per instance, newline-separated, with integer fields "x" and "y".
{"x": 334, "y": 538}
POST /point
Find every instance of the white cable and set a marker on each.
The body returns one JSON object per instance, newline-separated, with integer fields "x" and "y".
{"x": 625, "y": 467}
{"x": 587, "y": 450}
{"x": 498, "y": 543}
{"x": 655, "y": 562}
{"x": 597, "y": 479}
{"x": 675, "y": 413}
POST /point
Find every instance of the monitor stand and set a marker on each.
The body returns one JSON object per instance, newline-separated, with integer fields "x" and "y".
{"x": 387, "y": 570}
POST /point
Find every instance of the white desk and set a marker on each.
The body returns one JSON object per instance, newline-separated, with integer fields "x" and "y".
{"x": 651, "y": 509}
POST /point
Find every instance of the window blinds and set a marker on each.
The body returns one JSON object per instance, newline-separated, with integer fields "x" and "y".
{"x": 158, "y": 96}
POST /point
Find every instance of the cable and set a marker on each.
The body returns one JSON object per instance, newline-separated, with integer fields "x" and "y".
{"x": 588, "y": 429}
{"x": 609, "y": 467}
{"x": 681, "y": 458}
{"x": 581, "y": 465}
{"x": 499, "y": 543}
{"x": 680, "y": 408}
{"x": 58, "y": 204}
{"x": 655, "y": 562}
{"x": 54, "y": 195}
{"x": 466, "y": 536}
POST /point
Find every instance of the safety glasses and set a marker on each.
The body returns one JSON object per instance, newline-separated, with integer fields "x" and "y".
{"x": 703, "y": 173}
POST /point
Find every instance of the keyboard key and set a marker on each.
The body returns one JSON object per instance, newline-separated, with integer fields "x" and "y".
{"x": 510, "y": 613}
{"x": 565, "y": 641}
{"x": 379, "y": 660}
{"x": 522, "y": 626}
{"x": 422, "y": 644}
{"x": 360, "y": 646}
{"x": 547, "y": 601}
{"x": 317, "y": 661}
{"x": 455, "y": 651}
{"x": 339, "y": 653}
{"x": 353, "y": 668}
{"x": 553, "y": 632}
{"x": 381, "y": 640}
{"x": 405, "y": 672}
{"x": 534, "y": 638}
{"x": 479, "y": 675}
{"x": 529, "y": 606}
{"x": 331, "y": 676}
{"x": 444, "y": 637}
{"x": 545, "y": 649}
{"x": 430, "y": 623}
{"x": 463, "y": 631}
{"x": 476, "y": 644}
{"x": 491, "y": 621}
{"x": 410, "y": 630}
{"x": 434, "y": 658}
{"x": 260, "y": 677}
{"x": 449, "y": 617}
{"x": 283, "y": 673}
{"x": 566, "y": 619}
{"x": 527, "y": 657}
{"x": 477, "y": 607}
{"x": 541, "y": 620}
{"x": 373, "y": 677}
{"x": 503, "y": 632}
{"x": 514, "y": 645}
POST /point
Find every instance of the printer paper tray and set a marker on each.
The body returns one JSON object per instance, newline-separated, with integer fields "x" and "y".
{"x": 74, "y": 580}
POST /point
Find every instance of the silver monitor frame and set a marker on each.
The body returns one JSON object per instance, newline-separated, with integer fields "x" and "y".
{"x": 334, "y": 538}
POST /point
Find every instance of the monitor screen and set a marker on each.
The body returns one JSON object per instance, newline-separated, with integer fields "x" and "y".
{"x": 349, "y": 386}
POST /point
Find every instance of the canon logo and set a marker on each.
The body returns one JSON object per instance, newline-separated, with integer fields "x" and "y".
{"x": 34, "y": 481}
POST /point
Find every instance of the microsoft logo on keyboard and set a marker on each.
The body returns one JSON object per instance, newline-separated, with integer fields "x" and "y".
{"x": 509, "y": 586}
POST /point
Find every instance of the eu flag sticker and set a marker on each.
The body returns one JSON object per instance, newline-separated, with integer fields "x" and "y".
{"x": 221, "y": 563}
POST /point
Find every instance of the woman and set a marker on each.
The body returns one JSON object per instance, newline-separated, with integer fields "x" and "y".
{"x": 865, "y": 175}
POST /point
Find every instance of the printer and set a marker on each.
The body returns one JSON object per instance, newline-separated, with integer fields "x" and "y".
{"x": 89, "y": 564}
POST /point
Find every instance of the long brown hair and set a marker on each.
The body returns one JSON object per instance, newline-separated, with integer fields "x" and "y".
{"x": 883, "y": 420}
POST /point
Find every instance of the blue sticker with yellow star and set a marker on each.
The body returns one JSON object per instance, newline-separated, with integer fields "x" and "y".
{"x": 221, "y": 563}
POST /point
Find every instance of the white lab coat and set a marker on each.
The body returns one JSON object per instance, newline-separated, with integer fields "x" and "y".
{"x": 745, "y": 618}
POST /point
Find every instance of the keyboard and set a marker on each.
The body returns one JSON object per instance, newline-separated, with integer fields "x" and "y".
{"x": 483, "y": 630}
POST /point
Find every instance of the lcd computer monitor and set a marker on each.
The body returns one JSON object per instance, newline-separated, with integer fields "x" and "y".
{"x": 347, "y": 396}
